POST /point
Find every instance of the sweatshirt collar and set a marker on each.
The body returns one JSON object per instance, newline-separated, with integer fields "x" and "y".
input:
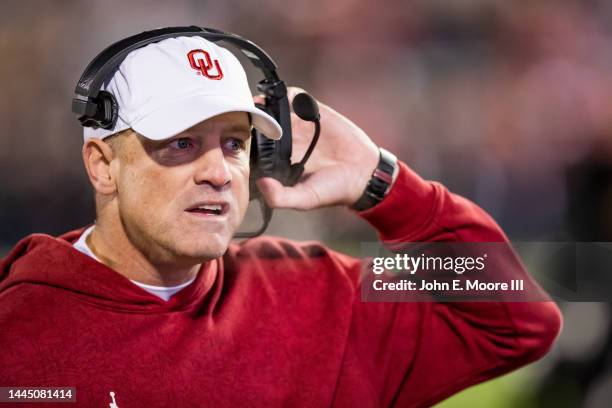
{"x": 44, "y": 260}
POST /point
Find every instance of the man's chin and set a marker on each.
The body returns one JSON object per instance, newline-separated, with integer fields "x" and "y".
{"x": 209, "y": 254}
{"x": 192, "y": 257}
{"x": 200, "y": 250}
{"x": 197, "y": 247}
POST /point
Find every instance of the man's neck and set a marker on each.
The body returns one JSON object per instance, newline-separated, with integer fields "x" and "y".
{"x": 121, "y": 255}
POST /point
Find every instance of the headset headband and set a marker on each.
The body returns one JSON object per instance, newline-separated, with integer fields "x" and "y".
{"x": 110, "y": 58}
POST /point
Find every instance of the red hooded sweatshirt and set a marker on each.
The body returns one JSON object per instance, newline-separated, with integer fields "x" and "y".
{"x": 271, "y": 323}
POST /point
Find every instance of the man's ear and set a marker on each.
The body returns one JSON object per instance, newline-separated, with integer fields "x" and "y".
{"x": 97, "y": 157}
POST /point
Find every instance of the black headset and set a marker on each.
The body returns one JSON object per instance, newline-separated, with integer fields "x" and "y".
{"x": 270, "y": 158}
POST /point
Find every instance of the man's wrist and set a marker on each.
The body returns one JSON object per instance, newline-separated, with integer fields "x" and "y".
{"x": 380, "y": 183}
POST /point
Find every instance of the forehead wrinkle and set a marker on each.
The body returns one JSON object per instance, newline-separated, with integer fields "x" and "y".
{"x": 239, "y": 128}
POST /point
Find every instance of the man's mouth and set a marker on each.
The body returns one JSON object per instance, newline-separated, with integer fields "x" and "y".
{"x": 209, "y": 208}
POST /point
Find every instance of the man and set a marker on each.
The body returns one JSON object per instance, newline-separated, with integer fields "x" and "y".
{"x": 153, "y": 306}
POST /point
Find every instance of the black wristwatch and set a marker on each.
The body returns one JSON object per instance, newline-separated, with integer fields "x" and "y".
{"x": 378, "y": 186}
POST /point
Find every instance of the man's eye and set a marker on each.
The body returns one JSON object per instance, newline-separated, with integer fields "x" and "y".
{"x": 181, "y": 143}
{"x": 235, "y": 145}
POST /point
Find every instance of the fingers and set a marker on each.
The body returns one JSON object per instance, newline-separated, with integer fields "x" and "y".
{"x": 292, "y": 91}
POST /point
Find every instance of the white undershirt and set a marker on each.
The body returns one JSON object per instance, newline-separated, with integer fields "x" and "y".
{"x": 164, "y": 292}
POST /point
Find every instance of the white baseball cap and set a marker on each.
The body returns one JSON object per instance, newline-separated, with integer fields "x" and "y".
{"x": 167, "y": 87}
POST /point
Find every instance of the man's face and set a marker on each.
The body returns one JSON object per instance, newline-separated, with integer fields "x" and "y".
{"x": 183, "y": 198}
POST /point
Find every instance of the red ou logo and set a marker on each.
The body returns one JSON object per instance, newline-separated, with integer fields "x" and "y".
{"x": 200, "y": 61}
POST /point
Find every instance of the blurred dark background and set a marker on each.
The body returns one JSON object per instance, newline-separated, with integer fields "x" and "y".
{"x": 505, "y": 102}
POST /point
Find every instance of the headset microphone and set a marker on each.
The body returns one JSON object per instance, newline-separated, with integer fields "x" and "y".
{"x": 307, "y": 109}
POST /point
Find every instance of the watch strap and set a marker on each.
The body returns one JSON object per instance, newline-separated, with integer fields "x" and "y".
{"x": 378, "y": 185}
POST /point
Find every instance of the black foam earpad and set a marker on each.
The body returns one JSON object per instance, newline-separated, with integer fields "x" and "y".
{"x": 266, "y": 156}
{"x": 263, "y": 160}
{"x": 108, "y": 110}
{"x": 266, "y": 160}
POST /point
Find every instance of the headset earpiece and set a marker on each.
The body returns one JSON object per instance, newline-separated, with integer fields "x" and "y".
{"x": 106, "y": 112}
{"x": 109, "y": 109}
{"x": 268, "y": 160}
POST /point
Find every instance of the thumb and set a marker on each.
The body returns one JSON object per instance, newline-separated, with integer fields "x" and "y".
{"x": 299, "y": 197}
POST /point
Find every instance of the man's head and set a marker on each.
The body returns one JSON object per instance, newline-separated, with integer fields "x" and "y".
{"x": 173, "y": 174}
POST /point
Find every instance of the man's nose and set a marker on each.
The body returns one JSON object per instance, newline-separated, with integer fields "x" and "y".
{"x": 212, "y": 169}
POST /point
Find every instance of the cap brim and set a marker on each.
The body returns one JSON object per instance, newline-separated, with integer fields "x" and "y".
{"x": 178, "y": 116}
